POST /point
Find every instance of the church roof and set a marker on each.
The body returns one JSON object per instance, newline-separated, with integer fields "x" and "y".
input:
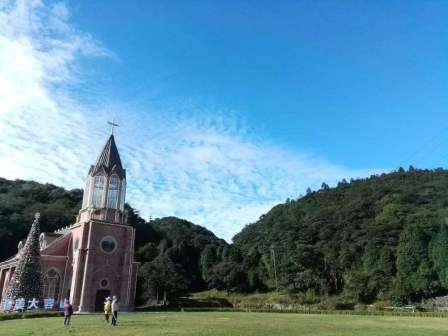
{"x": 109, "y": 160}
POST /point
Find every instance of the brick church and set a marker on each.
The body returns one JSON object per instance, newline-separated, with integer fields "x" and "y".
{"x": 94, "y": 257}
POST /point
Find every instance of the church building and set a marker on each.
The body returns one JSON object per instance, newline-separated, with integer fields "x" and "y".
{"x": 93, "y": 258}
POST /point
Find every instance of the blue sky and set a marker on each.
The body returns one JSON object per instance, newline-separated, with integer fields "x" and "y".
{"x": 344, "y": 79}
{"x": 226, "y": 107}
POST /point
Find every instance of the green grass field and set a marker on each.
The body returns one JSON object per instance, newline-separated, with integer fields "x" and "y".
{"x": 230, "y": 323}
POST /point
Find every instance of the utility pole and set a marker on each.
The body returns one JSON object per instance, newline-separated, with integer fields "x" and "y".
{"x": 272, "y": 248}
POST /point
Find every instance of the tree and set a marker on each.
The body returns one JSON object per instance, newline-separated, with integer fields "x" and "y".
{"x": 356, "y": 285}
{"x": 162, "y": 276}
{"x": 208, "y": 260}
{"x": 228, "y": 276}
{"x": 147, "y": 252}
{"x": 439, "y": 254}
{"x": 26, "y": 281}
{"x": 414, "y": 275}
{"x": 379, "y": 271}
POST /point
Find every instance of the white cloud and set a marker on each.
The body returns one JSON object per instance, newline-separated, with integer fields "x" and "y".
{"x": 204, "y": 167}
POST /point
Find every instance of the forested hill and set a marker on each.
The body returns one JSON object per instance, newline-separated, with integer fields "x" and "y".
{"x": 176, "y": 255}
{"x": 384, "y": 237}
{"x": 20, "y": 200}
{"x": 180, "y": 257}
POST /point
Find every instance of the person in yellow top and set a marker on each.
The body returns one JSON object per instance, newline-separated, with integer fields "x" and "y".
{"x": 107, "y": 308}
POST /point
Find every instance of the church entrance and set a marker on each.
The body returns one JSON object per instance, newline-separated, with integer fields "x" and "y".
{"x": 101, "y": 295}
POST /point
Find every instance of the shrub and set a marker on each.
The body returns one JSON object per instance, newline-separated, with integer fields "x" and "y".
{"x": 10, "y": 316}
{"x": 344, "y": 306}
{"x": 42, "y": 314}
{"x": 16, "y": 315}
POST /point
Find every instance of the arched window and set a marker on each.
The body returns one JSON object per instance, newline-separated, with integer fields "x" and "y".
{"x": 112, "y": 194}
{"x": 122, "y": 195}
{"x": 98, "y": 188}
{"x": 52, "y": 282}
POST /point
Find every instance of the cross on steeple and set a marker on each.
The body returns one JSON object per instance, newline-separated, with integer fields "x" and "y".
{"x": 112, "y": 125}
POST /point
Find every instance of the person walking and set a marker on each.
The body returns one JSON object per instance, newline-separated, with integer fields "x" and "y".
{"x": 68, "y": 312}
{"x": 107, "y": 308}
{"x": 115, "y": 309}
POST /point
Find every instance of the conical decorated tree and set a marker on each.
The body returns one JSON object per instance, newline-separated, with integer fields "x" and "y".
{"x": 26, "y": 281}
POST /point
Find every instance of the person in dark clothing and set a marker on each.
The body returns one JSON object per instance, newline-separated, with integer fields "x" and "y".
{"x": 68, "y": 312}
{"x": 115, "y": 309}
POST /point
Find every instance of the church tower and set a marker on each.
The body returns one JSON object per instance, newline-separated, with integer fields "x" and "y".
{"x": 102, "y": 242}
{"x": 105, "y": 190}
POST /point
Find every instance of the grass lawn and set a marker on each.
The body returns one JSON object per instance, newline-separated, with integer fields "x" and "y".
{"x": 229, "y": 323}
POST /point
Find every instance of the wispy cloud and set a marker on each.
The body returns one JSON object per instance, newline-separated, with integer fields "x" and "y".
{"x": 203, "y": 166}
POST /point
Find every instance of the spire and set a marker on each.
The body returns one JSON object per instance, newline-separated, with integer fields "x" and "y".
{"x": 109, "y": 159}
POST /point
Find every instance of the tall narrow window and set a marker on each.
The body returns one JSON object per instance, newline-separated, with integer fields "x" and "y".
{"x": 89, "y": 191}
{"x": 98, "y": 187}
{"x": 86, "y": 197}
{"x": 51, "y": 285}
{"x": 122, "y": 195}
{"x": 112, "y": 194}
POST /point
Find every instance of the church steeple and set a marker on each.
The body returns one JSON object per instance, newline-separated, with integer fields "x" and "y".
{"x": 104, "y": 194}
{"x": 109, "y": 160}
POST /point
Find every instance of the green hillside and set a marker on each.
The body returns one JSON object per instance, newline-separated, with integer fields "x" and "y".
{"x": 177, "y": 257}
{"x": 20, "y": 200}
{"x": 173, "y": 252}
{"x": 381, "y": 238}
{"x": 384, "y": 237}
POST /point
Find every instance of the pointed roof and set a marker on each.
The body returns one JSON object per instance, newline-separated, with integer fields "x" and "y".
{"x": 109, "y": 159}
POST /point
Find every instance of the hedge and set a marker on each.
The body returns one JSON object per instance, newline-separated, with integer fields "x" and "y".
{"x": 16, "y": 315}
{"x": 320, "y": 312}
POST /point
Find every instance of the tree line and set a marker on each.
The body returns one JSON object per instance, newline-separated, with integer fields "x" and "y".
{"x": 379, "y": 238}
